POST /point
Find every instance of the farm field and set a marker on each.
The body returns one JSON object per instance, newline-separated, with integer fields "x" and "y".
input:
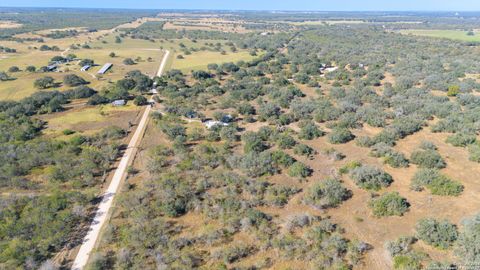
{"x": 448, "y": 34}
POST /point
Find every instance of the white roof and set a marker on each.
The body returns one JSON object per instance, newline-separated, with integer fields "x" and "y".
{"x": 211, "y": 123}
{"x": 105, "y": 68}
{"x": 119, "y": 102}
{"x": 330, "y": 69}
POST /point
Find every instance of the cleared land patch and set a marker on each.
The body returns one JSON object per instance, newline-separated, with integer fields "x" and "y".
{"x": 200, "y": 60}
{"x": 449, "y": 34}
{"x": 9, "y": 24}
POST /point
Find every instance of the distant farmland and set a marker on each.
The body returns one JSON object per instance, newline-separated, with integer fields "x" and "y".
{"x": 449, "y": 34}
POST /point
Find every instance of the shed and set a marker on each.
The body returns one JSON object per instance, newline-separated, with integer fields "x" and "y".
{"x": 105, "y": 68}
{"x": 85, "y": 68}
{"x": 52, "y": 67}
{"x": 119, "y": 102}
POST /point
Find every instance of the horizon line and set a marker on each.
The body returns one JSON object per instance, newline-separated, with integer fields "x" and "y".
{"x": 235, "y": 10}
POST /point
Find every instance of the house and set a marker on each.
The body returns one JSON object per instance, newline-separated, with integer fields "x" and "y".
{"x": 153, "y": 91}
{"x": 85, "y": 68}
{"x": 211, "y": 123}
{"x": 105, "y": 68}
{"x": 119, "y": 102}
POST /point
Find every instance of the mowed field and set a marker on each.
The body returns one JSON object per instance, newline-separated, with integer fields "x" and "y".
{"x": 147, "y": 60}
{"x": 449, "y": 34}
{"x": 88, "y": 120}
{"x": 200, "y": 60}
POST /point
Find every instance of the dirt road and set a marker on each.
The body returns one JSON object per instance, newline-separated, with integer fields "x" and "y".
{"x": 101, "y": 215}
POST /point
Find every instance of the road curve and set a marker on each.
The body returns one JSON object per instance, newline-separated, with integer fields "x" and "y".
{"x": 101, "y": 215}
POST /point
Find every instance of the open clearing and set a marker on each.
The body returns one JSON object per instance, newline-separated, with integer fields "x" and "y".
{"x": 200, "y": 60}
{"x": 9, "y": 24}
{"x": 146, "y": 56}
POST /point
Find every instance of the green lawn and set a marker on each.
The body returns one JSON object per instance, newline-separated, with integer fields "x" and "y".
{"x": 449, "y": 34}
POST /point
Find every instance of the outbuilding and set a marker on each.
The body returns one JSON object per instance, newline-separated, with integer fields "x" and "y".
{"x": 105, "y": 68}
{"x": 119, "y": 102}
{"x": 52, "y": 67}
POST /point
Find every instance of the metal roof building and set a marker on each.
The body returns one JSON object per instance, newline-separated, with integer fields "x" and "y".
{"x": 105, "y": 68}
{"x": 119, "y": 102}
{"x": 52, "y": 67}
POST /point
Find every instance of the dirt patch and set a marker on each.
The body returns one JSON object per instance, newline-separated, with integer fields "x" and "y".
{"x": 9, "y": 24}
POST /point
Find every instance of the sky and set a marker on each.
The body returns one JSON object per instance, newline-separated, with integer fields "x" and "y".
{"x": 317, "y": 5}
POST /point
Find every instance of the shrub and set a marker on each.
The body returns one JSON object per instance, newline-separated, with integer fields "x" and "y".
{"x": 236, "y": 252}
{"x": 140, "y": 101}
{"x": 86, "y": 62}
{"x": 453, "y": 90}
{"x": 406, "y": 262}
{"x": 246, "y": 109}
{"x": 128, "y": 61}
{"x": 282, "y": 158}
{"x": 285, "y": 141}
{"x": 334, "y": 154}
{"x": 461, "y": 139}
{"x": 440, "y": 266}
{"x": 299, "y": 221}
{"x": 173, "y": 131}
{"x": 390, "y": 156}
{"x": 73, "y": 80}
{"x": 257, "y": 164}
{"x": 304, "y": 150}
{"x": 439, "y": 234}
{"x": 401, "y": 246}
{"x": 340, "y": 135}
{"x": 396, "y": 160}
{"x": 268, "y": 111}
{"x": 326, "y": 194}
{"x": 44, "y": 83}
{"x": 31, "y": 68}
{"x": 349, "y": 166}
{"x": 299, "y": 170}
{"x": 437, "y": 183}
{"x": 389, "y": 204}
{"x": 427, "y": 159}
{"x": 474, "y": 152}
{"x": 468, "y": 243}
{"x": 428, "y": 145}
{"x": 4, "y": 76}
{"x": 13, "y": 69}
{"x": 370, "y": 178}
{"x": 309, "y": 131}
{"x": 68, "y": 132}
{"x": 253, "y": 142}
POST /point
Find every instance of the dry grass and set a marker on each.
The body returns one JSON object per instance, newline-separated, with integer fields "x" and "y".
{"x": 89, "y": 119}
{"x": 9, "y": 24}
{"x": 200, "y": 60}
